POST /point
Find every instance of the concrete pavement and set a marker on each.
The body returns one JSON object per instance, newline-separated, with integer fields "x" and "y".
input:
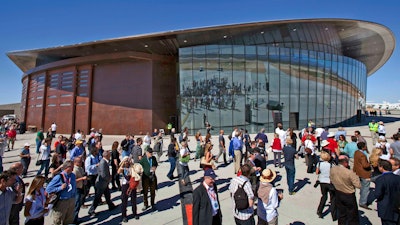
{"x": 295, "y": 209}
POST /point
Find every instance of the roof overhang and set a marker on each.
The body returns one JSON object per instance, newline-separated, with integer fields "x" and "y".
{"x": 368, "y": 42}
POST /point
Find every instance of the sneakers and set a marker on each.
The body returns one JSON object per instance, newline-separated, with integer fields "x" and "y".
{"x": 292, "y": 193}
{"x": 145, "y": 207}
{"x": 124, "y": 220}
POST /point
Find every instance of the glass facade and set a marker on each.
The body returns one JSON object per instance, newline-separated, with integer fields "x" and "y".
{"x": 255, "y": 86}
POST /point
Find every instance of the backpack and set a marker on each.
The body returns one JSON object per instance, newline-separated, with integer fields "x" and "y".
{"x": 240, "y": 197}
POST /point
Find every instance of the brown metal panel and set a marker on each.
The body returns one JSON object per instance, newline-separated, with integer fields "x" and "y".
{"x": 164, "y": 93}
{"x": 44, "y": 98}
{"x": 122, "y": 97}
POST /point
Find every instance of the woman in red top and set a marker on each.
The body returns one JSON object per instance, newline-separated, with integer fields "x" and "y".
{"x": 277, "y": 150}
{"x": 11, "y": 135}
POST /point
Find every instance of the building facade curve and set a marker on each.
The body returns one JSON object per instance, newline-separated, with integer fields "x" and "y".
{"x": 248, "y": 75}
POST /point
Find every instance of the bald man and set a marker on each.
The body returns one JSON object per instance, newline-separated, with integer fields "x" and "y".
{"x": 16, "y": 208}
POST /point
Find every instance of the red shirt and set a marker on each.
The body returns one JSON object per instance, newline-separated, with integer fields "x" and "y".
{"x": 333, "y": 145}
{"x": 11, "y": 133}
{"x": 313, "y": 139}
{"x": 276, "y": 145}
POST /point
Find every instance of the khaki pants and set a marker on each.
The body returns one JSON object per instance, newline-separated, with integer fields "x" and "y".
{"x": 238, "y": 159}
{"x": 63, "y": 212}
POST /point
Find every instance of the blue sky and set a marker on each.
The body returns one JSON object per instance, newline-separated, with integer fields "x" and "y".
{"x": 28, "y": 24}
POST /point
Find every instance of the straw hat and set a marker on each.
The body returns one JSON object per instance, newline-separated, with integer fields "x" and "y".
{"x": 124, "y": 159}
{"x": 381, "y": 122}
{"x": 268, "y": 175}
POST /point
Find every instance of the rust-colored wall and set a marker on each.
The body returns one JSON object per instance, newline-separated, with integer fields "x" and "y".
{"x": 164, "y": 92}
{"x": 131, "y": 95}
{"x": 122, "y": 97}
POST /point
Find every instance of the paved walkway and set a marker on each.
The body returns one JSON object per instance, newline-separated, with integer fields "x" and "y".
{"x": 296, "y": 209}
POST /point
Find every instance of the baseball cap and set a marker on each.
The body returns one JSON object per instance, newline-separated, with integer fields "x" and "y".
{"x": 210, "y": 173}
{"x": 27, "y": 145}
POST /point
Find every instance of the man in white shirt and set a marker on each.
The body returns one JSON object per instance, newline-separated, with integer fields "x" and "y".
{"x": 282, "y": 134}
{"x": 53, "y": 129}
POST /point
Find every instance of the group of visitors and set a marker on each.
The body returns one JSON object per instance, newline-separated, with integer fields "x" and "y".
{"x": 71, "y": 166}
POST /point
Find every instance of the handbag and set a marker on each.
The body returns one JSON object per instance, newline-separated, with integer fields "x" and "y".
{"x": 38, "y": 162}
{"x": 185, "y": 159}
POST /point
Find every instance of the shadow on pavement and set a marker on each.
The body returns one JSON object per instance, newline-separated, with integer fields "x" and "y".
{"x": 300, "y": 184}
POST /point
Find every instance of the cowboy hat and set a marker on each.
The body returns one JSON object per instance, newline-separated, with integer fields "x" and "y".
{"x": 268, "y": 175}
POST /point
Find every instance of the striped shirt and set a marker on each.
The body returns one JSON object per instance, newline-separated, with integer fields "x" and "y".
{"x": 244, "y": 214}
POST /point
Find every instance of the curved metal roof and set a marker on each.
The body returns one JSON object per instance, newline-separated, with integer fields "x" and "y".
{"x": 368, "y": 42}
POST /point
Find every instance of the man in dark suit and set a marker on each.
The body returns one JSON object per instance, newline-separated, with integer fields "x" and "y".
{"x": 206, "y": 207}
{"x": 387, "y": 193}
{"x": 102, "y": 181}
{"x": 149, "y": 179}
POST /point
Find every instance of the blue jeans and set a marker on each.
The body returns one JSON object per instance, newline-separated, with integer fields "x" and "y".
{"x": 45, "y": 166}
{"x": 290, "y": 175}
{"x": 364, "y": 191}
{"x": 38, "y": 144}
{"x": 172, "y": 162}
{"x": 79, "y": 199}
{"x": 184, "y": 171}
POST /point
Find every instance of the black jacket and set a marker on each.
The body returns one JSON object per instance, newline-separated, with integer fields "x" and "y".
{"x": 202, "y": 209}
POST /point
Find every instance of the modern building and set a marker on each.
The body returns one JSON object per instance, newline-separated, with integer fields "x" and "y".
{"x": 249, "y": 75}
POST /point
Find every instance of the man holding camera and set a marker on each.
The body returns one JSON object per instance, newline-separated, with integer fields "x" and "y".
{"x": 149, "y": 179}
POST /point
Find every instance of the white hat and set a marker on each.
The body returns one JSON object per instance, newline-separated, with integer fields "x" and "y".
{"x": 324, "y": 143}
{"x": 331, "y": 134}
{"x": 27, "y": 145}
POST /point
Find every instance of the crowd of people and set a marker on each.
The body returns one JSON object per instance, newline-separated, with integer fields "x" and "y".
{"x": 69, "y": 167}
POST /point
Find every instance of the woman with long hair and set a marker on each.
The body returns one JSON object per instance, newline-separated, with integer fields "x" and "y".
{"x": 292, "y": 135}
{"x": 55, "y": 165}
{"x": 36, "y": 202}
{"x": 373, "y": 160}
{"x": 114, "y": 166}
{"x": 323, "y": 170}
{"x": 207, "y": 160}
{"x": 199, "y": 146}
{"x": 125, "y": 169}
{"x": 342, "y": 142}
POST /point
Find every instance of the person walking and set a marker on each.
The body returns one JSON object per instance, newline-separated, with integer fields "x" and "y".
{"x": 101, "y": 185}
{"x": 80, "y": 185}
{"x": 206, "y": 206}
{"x": 44, "y": 157}
{"x": 323, "y": 170}
{"x": 64, "y": 185}
{"x": 222, "y": 148}
{"x": 184, "y": 157}
{"x": 173, "y": 150}
{"x": 115, "y": 161}
{"x": 345, "y": 183}
{"x": 149, "y": 178}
